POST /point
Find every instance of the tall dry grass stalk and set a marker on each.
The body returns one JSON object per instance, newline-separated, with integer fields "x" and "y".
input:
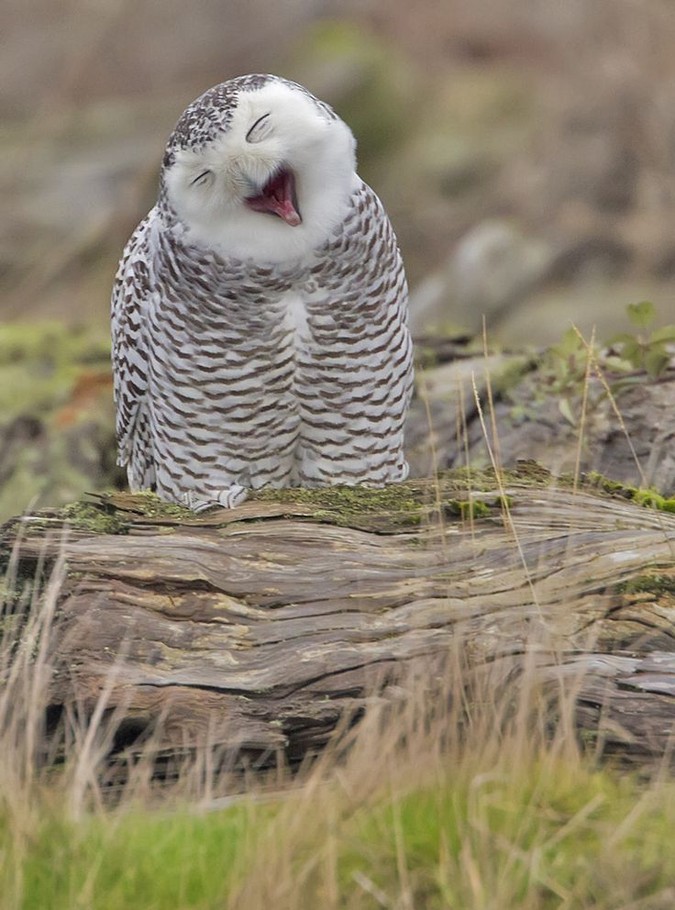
{"x": 70, "y": 754}
{"x": 27, "y": 615}
{"x": 457, "y": 724}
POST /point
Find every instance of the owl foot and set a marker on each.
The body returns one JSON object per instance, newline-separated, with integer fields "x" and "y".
{"x": 229, "y": 498}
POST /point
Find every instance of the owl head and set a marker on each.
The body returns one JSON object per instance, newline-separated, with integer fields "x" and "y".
{"x": 259, "y": 168}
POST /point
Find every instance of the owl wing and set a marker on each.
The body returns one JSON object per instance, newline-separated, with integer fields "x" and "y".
{"x": 131, "y": 292}
{"x": 357, "y": 374}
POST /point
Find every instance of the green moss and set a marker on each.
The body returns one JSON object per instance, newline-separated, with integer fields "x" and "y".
{"x": 400, "y": 504}
{"x": 650, "y": 499}
{"x": 466, "y": 509}
{"x": 458, "y": 479}
{"x": 112, "y": 513}
{"x": 39, "y": 362}
{"x": 653, "y": 500}
{"x": 649, "y": 583}
{"x": 403, "y": 505}
{"x": 463, "y": 493}
{"x": 599, "y": 481}
{"x": 89, "y": 516}
{"x": 147, "y": 504}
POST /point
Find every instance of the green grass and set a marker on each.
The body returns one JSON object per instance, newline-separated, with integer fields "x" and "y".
{"x": 552, "y": 833}
{"x": 153, "y": 860}
{"x": 540, "y": 837}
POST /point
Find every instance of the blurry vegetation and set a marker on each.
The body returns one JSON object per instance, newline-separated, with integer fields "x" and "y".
{"x": 56, "y": 414}
{"x": 374, "y": 85}
{"x": 649, "y": 349}
{"x": 578, "y": 372}
{"x": 42, "y": 363}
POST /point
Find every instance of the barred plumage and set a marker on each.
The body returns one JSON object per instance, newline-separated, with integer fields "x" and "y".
{"x": 259, "y": 314}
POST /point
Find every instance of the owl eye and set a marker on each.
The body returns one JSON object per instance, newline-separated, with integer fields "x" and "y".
{"x": 201, "y": 179}
{"x": 260, "y": 129}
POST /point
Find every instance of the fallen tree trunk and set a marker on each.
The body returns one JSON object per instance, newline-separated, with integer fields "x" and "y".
{"x": 258, "y": 628}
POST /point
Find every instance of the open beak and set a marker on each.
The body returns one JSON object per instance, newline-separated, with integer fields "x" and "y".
{"x": 277, "y": 197}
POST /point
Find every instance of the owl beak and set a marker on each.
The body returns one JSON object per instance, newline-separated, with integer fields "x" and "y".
{"x": 278, "y": 197}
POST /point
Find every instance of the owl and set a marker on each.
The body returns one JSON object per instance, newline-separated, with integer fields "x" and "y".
{"x": 259, "y": 313}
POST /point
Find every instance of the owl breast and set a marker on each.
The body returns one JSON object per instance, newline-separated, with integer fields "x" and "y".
{"x": 223, "y": 390}
{"x": 287, "y": 387}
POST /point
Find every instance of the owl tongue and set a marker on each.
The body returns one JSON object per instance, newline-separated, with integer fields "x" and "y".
{"x": 277, "y": 197}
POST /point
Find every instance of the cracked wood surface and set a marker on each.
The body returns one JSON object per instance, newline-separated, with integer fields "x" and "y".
{"x": 257, "y": 628}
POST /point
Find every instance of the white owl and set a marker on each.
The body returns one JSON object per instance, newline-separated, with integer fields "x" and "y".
{"x": 259, "y": 314}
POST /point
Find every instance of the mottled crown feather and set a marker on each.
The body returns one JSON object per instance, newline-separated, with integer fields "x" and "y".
{"x": 210, "y": 114}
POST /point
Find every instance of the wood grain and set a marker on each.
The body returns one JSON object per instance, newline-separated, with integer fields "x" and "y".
{"x": 258, "y": 628}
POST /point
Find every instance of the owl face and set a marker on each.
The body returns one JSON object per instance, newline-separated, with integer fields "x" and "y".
{"x": 270, "y": 184}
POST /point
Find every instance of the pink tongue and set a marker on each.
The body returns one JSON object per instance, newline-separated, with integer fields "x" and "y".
{"x": 277, "y": 197}
{"x": 285, "y": 209}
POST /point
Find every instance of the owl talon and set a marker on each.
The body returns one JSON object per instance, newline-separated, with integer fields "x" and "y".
{"x": 233, "y": 496}
{"x": 229, "y": 498}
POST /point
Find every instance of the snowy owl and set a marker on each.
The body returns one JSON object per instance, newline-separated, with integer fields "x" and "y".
{"x": 259, "y": 314}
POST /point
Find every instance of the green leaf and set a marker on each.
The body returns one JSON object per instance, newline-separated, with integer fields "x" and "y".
{"x": 633, "y": 352}
{"x": 570, "y": 343}
{"x": 656, "y": 361}
{"x": 621, "y": 338}
{"x": 667, "y": 333}
{"x": 566, "y": 411}
{"x": 641, "y": 314}
{"x": 619, "y": 364}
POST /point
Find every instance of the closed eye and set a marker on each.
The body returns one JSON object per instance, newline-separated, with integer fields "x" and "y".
{"x": 200, "y": 178}
{"x": 259, "y": 129}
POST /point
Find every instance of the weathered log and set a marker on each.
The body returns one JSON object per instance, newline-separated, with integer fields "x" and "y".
{"x": 258, "y": 627}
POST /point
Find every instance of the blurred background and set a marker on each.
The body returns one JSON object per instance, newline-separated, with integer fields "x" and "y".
{"x": 525, "y": 150}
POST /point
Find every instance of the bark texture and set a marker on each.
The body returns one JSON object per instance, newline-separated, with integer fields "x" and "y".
{"x": 258, "y": 628}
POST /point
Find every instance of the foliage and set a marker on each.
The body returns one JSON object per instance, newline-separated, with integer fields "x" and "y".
{"x": 151, "y": 860}
{"x": 544, "y": 836}
{"x": 648, "y": 350}
{"x": 580, "y": 373}
{"x": 650, "y": 499}
{"x": 56, "y": 414}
